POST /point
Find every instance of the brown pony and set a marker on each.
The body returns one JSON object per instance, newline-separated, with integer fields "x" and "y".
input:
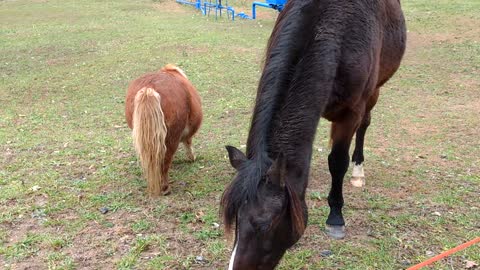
{"x": 163, "y": 109}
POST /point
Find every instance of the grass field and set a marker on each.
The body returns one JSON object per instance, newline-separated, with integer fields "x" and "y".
{"x": 66, "y": 151}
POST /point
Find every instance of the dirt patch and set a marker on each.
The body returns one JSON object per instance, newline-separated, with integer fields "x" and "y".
{"x": 8, "y": 156}
{"x": 19, "y": 229}
{"x": 417, "y": 40}
{"x": 114, "y": 242}
{"x": 172, "y": 6}
{"x": 467, "y": 29}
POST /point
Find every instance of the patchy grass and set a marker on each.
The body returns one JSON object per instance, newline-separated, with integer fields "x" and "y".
{"x": 67, "y": 153}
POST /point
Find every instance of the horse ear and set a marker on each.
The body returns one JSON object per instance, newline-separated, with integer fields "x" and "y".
{"x": 277, "y": 173}
{"x": 237, "y": 158}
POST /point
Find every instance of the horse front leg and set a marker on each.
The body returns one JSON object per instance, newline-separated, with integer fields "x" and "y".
{"x": 338, "y": 160}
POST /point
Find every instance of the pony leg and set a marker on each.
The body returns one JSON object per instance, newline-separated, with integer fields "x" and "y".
{"x": 172, "y": 146}
{"x": 167, "y": 162}
{"x": 338, "y": 161}
{"x": 189, "y": 149}
{"x": 358, "y": 175}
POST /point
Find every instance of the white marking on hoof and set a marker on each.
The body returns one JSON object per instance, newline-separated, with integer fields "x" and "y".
{"x": 232, "y": 259}
{"x": 357, "y": 182}
{"x": 358, "y": 176}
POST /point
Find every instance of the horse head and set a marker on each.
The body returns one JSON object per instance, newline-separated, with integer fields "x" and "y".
{"x": 268, "y": 214}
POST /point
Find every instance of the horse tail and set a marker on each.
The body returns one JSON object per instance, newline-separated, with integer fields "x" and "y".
{"x": 149, "y": 133}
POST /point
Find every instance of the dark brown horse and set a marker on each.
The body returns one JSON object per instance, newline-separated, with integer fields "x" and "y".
{"x": 163, "y": 109}
{"x": 325, "y": 58}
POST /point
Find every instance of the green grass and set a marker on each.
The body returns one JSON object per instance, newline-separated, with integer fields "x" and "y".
{"x": 64, "y": 70}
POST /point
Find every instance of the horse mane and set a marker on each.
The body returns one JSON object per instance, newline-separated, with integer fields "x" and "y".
{"x": 239, "y": 190}
{"x": 284, "y": 51}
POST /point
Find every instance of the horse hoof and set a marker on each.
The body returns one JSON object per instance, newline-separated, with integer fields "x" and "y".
{"x": 335, "y": 231}
{"x": 357, "y": 181}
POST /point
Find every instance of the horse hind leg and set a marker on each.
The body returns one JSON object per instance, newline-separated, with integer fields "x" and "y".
{"x": 358, "y": 174}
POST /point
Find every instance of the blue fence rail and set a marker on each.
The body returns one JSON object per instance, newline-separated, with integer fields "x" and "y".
{"x": 273, "y": 4}
{"x": 208, "y": 5}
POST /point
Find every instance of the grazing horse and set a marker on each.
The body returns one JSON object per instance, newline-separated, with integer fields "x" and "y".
{"x": 163, "y": 109}
{"x": 325, "y": 58}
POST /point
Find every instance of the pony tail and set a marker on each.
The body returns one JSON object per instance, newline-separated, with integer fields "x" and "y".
{"x": 149, "y": 133}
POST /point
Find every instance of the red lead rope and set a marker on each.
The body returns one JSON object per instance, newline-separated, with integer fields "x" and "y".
{"x": 445, "y": 254}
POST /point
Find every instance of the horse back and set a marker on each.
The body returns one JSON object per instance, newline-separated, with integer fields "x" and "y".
{"x": 373, "y": 42}
{"x": 394, "y": 40}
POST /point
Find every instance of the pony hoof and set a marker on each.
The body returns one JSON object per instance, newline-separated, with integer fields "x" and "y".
{"x": 166, "y": 191}
{"x": 357, "y": 181}
{"x": 335, "y": 231}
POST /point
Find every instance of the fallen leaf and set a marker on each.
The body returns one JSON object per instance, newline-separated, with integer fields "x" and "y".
{"x": 470, "y": 264}
{"x": 199, "y": 215}
{"x": 200, "y": 259}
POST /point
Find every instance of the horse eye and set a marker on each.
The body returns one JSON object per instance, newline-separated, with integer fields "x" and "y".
{"x": 263, "y": 226}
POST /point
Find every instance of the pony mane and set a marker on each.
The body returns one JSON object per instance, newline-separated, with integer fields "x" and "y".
{"x": 172, "y": 68}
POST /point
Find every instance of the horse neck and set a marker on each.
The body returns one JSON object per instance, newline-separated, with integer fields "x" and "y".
{"x": 293, "y": 132}
{"x": 295, "y": 87}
